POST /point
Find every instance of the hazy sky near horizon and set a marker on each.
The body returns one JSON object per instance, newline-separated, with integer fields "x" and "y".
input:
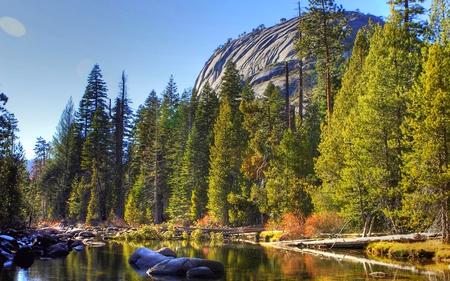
{"x": 48, "y": 48}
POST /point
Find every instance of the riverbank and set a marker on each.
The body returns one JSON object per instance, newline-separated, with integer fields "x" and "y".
{"x": 430, "y": 257}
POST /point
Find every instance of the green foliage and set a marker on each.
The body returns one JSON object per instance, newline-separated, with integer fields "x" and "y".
{"x": 139, "y": 207}
{"x": 167, "y": 149}
{"x": 228, "y": 149}
{"x": 196, "y": 162}
{"x": 13, "y": 174}
{"x": 216, "y": 238}
{"x": 335, "y": 143}
{"x": 95, "y": 186}
{"x": 426, "y": 177}
{"x": 287, "y": 189}
{"x": 146, "y": 232}
{"x": 197, "y": 235}
{"x": 322, "y": 33}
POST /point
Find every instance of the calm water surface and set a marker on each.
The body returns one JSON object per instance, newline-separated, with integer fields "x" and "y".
{"x": 242, "y": 261}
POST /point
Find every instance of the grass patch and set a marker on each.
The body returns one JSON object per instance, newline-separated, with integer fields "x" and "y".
{"x": 432, "y": 249}
{"x": 271, "y": 235}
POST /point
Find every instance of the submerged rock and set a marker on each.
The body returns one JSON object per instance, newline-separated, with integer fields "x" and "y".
{"x": 200, "y": 272}
{"x": 158, "y": 264}
{"x": 144, "y": 258}
{"x": 181, "y": 266}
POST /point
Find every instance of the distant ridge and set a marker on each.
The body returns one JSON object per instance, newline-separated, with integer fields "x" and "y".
{"x": 261, "y": 55}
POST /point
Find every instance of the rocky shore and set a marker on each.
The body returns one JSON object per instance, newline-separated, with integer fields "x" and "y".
{"x": 22, "y": 247}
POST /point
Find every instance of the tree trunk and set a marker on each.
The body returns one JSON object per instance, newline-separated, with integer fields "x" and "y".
{"x": 288, "y": 112}
{"x": 444, "y": 218}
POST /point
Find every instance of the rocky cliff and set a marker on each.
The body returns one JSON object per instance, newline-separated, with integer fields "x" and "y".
{"x": 261, "y": 55}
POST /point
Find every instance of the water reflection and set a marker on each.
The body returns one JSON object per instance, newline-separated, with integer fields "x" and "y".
{"x": 241, "y": 261}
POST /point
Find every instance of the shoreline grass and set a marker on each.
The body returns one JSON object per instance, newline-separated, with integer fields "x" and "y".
{"x": 431, "y": 249}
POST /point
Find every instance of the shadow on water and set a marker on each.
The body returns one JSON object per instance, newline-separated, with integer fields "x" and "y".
{"x": 242, "y": 261}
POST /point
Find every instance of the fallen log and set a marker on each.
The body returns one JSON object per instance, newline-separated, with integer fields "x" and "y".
{"x": 362, "y": 242}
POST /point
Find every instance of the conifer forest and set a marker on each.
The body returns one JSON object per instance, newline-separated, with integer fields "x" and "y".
{"x": 368, "y": 141}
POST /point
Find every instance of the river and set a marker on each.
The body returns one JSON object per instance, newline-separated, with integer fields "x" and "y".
{"x": 242, "y": 261}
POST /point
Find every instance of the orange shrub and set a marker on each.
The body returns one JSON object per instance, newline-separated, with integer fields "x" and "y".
{"x": 293, "y": 224}
{"x": 206, "y": 222}
{"x": 323, "y": 223}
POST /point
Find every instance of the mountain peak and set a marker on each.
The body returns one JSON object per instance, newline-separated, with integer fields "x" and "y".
{"x": 261, "y": 55}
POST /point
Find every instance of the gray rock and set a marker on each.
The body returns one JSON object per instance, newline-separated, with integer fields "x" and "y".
{"x": 261, "y": 54}
{"x": 144, "y": 258}
{"x": 167, "y": 252}
{"x": 200, "y": 272}
{"x": 58, "y": 250}
{"x": 181, "y": 266}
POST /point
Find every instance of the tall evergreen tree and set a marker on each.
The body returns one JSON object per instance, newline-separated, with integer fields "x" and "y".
{"x": 288, "y": 184}
{"x": 322, "y": 31}
{"x": 426, "y": 164}
{"x": 229, "y": 144}
{"x": 65, "y": 160}
{"x": 47, "y": 192}
{"x": 13, "y": 172}
{"x": 373, "y": 159}
{"x": 169, "y": 120}
{"x": 196, "y": 158}
{"x": 265, "y": 122}
{"x": 94, "y": 125}
{"x": 140, "y": 203}
{"x": 179, "y": 203}
{"x": 122, "y": 116}
{"x": 335, "y": 145}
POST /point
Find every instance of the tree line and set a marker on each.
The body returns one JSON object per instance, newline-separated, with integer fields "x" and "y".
{"x": 368, "y": 139}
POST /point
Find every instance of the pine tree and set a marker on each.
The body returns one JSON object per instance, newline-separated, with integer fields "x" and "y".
{"x": 265, "y": 122}
{"x": 140, "y": 199}
{"x": 13, "y": 172}
{"x": 95, "y": 129}
{"x": 425, "y": 166}
{"x": 169, "y": 119}
{"x": 96, "y": 188}
{"x": 197, "y": 153}
{"x": 372, "y": 160}
{"x": 42, "y": 151}
{"x": 288, "y": 177}
{"x": 122, "y": 117}
{"x": 228, "y": 149}
{"x": 65, "y": 157}
{"x": 335, "y": 145}
{"x": 179, "y": 203}
{"x": 322, "y": 32}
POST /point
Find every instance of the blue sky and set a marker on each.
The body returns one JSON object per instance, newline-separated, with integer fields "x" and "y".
{"x": 48, "y": 48}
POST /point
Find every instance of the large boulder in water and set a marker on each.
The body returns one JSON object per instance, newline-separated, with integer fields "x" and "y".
{"x": 144, "y": 258}
{"x": 24, "y": 257}
{"x": 180, "y": 266}
{"x": 58, "y": 250}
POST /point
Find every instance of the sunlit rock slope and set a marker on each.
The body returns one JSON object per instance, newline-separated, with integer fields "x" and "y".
{"x": 261, "y": 55}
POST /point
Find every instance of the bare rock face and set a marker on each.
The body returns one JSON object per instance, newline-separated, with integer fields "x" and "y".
{"x": 261, "y": 55}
